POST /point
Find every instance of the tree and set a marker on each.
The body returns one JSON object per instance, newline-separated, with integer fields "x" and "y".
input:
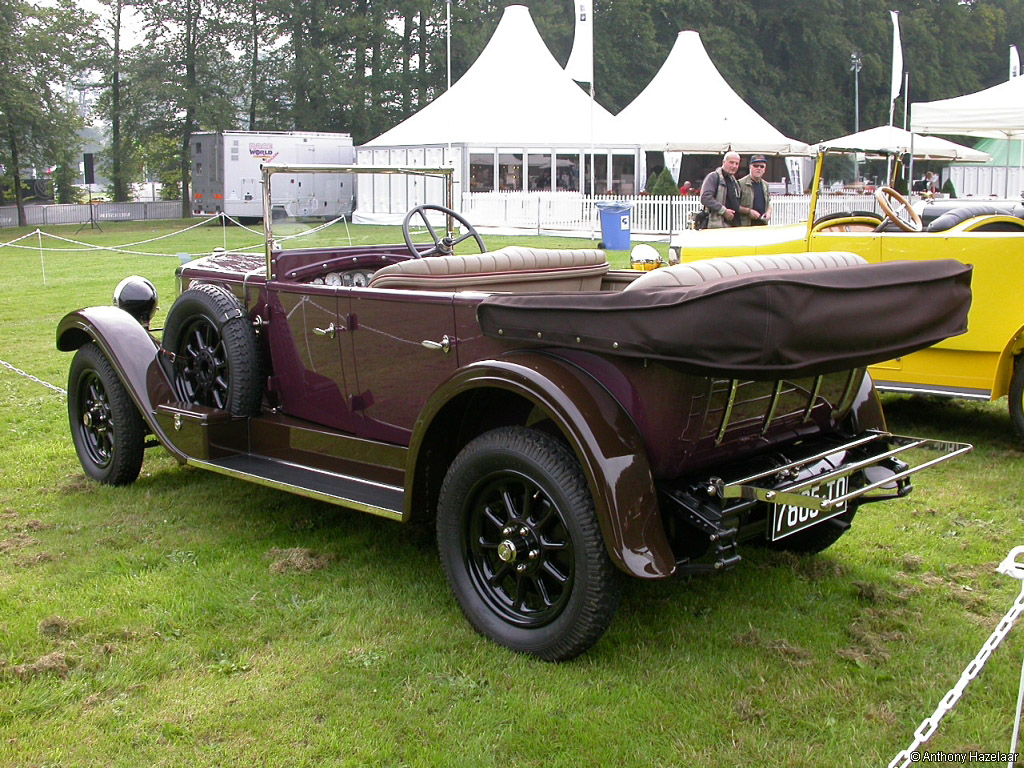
{"x": 42, "y": 52}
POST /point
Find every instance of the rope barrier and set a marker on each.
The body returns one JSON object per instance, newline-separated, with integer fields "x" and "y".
{"x": 29, "y": 376}
{"x": 1014, "y": 569}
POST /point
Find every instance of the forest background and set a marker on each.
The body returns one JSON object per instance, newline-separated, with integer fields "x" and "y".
{"x": 362, "y": 66}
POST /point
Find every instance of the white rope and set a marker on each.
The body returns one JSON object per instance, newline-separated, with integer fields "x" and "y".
{"x": 29, "y": 376}
{"x": 926, "y": 730}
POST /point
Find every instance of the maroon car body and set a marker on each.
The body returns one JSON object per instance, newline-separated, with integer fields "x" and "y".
{"x": 553, "y": 464}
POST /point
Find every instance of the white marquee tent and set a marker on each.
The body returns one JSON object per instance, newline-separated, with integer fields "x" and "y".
{"x": 895, "y": 139}
{"x": 514, "y": 121}
{"x": 993, "y": 113}
{"x": 706, "y": 118}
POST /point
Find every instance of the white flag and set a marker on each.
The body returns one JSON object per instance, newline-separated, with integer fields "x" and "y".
{"x": 580, "y": 66}
{"x": 897, "y": 62}
{"x": 1014, "y": 62}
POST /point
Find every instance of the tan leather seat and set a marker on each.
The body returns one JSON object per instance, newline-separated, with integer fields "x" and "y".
{"x": 697, "y": 272}
{"x": 512, "y": 269}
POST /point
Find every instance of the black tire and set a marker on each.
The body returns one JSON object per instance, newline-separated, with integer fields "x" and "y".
{"x": 817, "y": 538}
{"x": 1017, "y": 398}
{"x": 555, "y": 593}
{"x": 216, "y": 357}
{"x": 106, "y": 427}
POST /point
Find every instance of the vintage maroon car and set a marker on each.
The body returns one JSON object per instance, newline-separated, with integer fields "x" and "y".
{"x": 562, "y": 422}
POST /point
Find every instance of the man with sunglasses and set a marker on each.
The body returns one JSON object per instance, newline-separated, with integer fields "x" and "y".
{"x": 755, "y": 200}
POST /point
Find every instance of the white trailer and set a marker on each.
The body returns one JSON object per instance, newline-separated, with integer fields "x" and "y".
{"x": 226, "y": 173}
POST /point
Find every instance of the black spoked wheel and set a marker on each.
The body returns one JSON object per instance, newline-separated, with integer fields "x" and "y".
{"x": 521, "y": 547}
{"x": 107, "y": 430}
{"x": 215, "y": 352}
{"x": 1017, "y": 398}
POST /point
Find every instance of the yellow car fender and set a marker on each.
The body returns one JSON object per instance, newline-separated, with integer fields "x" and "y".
{"x": 1001, "y": 384}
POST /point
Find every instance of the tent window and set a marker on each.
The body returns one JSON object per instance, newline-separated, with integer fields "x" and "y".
{"x": 539, "y": 172}
{"x": 481, "y": 172}
{"x": 567, "y": 173}
{"x": 623, "y": 174}
{"x": 601, "y": 179}
{"x": 510, "y": 172}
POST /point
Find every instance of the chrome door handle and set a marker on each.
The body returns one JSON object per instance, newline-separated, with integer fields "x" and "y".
{"x": 445, "y": 344}
{"x": 328, "y": 331}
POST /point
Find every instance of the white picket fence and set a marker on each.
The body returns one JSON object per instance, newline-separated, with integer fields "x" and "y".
{"x": 571, "y": 211}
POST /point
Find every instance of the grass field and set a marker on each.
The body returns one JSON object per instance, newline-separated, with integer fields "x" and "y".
{"x": 191, "y": 619}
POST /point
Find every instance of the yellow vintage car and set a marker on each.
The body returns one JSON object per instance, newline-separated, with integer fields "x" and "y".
{"x": 986, "y": 363}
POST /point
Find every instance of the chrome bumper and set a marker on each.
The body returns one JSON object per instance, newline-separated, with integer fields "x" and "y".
{"x": 877, "y": 449}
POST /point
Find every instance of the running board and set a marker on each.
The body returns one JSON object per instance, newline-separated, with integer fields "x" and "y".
{"x": 343, "y": 490}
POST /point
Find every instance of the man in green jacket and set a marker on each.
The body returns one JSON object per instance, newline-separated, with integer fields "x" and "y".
{"x": 755, "y": 200}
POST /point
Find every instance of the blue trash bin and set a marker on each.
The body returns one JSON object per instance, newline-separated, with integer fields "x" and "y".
{"x": 615, "y": 225}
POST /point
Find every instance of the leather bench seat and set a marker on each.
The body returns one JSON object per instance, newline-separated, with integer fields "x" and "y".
{"x": 512, "y": 269}
{"x": 697, "y": 272}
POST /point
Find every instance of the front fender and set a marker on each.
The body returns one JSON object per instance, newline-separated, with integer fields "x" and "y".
{"x": 133, "y": 354}
{"x": 601, "y": 434}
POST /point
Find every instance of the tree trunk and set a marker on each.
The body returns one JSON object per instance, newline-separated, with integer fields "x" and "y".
{"x": 191, "y": 25}
{"x": 300, "y": 90}
{"x": 117, "y": 162}
{"x": 253, "y": 66}
{"x": 422, "y": 96}
{"x": 12, "y": 143}
{"x": 406, "y": 56}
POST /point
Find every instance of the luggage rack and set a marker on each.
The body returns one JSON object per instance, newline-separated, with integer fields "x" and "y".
{"x": 879, "y": 447}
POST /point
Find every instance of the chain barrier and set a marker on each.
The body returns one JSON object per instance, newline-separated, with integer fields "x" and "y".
{"x": 926, "y": 730}
{"x": 29, "y": 376}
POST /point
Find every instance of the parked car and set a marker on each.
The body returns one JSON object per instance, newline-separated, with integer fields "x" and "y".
{"x": 983, "y": 364}
{"x": 564, "y": 424}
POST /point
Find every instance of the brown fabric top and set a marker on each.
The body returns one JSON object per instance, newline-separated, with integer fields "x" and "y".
{"x": 759, "y": 326}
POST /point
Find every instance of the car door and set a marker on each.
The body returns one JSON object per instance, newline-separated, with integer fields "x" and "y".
{"x": 308, "y": 326}
{"x": 403, "y": 344}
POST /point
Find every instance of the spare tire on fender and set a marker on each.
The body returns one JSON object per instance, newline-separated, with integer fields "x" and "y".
{"x": 214, "y": 351}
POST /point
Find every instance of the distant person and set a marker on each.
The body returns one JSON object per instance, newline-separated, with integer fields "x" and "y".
{"x": 720, "y": 193}
{"x": 931, "y": 183}
{"x": 755, "y": 199}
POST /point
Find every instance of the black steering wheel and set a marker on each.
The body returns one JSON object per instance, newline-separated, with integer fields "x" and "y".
{"x": 443, "y": 246}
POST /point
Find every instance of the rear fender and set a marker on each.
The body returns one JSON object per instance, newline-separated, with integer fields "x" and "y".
{"x": 601, "y": 434}
{"x": 131, "y": 351}
{"x": 1004, "y": 370}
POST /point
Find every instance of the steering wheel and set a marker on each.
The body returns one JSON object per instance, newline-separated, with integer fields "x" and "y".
{"x": 898, "y": 209}
{"x": 443, "y": 246}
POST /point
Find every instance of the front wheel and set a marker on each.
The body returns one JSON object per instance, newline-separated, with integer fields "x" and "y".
{"x": 1017, "y": 398}
{"x": 106, "y": 427}
{"x": 520, "y": 544}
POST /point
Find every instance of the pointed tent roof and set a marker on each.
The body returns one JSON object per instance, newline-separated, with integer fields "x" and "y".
{"x": 993, "y": 113}
{"x": 709, "y": 119}
{"x": 515, "y": 93}
{"x": 892, "y": 138}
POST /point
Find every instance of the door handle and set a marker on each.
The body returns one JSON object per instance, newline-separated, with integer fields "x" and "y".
{"x": 328, "y": 331}
{"x": 445, "y": 344}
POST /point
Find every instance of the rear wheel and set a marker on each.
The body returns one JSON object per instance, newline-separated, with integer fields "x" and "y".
{"x": 521, "y": 547}
{"x": 1017, "y": 398}
{"x": 106, "y": 427}
{"x": 215, "y": 352}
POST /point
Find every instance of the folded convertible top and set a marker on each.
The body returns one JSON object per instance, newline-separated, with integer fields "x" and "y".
{"x": 764, "y": 325}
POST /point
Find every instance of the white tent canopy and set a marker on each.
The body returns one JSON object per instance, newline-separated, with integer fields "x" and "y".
{"x": 893, "y": 139}
{"x": 994, "y": 113}
{"x": 515, "y": 93}
{"x": 709, "y": 118}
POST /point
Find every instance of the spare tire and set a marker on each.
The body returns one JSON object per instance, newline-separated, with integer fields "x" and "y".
{"x": 214, "y": 351}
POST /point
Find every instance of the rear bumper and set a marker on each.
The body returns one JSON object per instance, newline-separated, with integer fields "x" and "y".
{"x": 707, "y": 517}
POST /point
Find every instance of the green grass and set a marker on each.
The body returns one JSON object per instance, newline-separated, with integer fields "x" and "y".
{"x": 165, "y": 624}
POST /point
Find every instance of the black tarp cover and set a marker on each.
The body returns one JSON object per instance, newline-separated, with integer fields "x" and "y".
{"x": 764, "y": 325}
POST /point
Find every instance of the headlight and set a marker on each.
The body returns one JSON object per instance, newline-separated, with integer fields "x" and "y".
{"x": 136, "y": 296}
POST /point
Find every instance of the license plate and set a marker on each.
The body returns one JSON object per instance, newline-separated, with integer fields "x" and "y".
{"x": 788, "y": 518}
